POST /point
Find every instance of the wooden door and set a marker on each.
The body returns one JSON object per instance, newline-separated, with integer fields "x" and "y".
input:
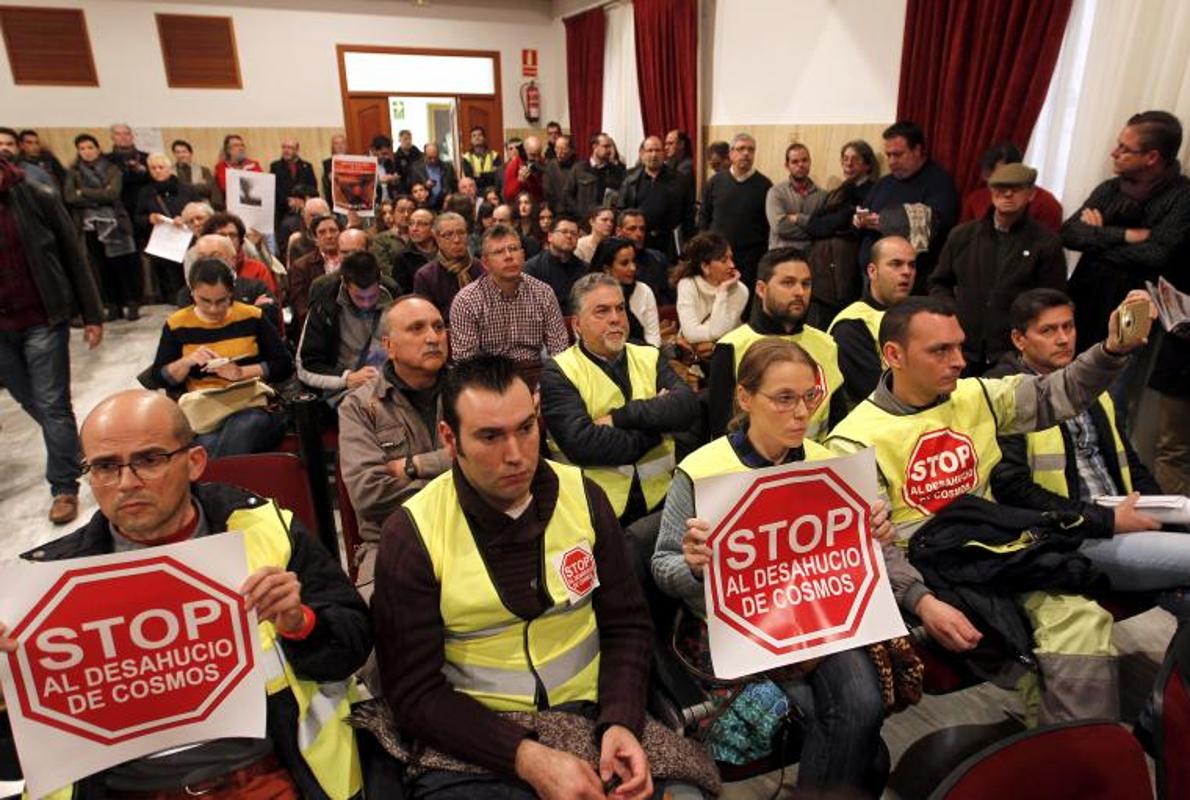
{"x": 367, "y": 116}
{"x": 483, "y": 111}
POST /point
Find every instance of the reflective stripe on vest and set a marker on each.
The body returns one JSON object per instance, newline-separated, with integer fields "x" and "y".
{"x": 718, "y": 457}
{"x": 505, "y": 662}
{"x": 870, "y": 317}
{"x": 481, "y": 164}
{"x": 326, "y": 741}
{"x": 896, "y": 436}
{"x": 819, "y": 345}
{"x": 601, "y": 396}
{"x": 1046, "y": 451}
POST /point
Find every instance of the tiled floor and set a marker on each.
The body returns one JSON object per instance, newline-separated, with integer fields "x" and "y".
{"x": 924, "y": 741}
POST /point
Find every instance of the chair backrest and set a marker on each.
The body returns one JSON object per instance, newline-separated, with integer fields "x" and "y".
{"x": 1172, "y": 735}
{"x": 347, "y": 521}
{"x": 278, "y": 476}
{"x": 1082, "y": 760}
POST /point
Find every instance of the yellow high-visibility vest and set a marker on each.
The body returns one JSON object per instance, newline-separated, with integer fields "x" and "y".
{"x": 718, "y": 457}
{"x": 1047, "y": 454}
{"x": 601, "y": 396}
{"x": 502, "y": 660}
{"x": 819, "y": 345}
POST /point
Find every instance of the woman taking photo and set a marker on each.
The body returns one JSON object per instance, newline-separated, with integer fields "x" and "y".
{"x": 711, "y": 298}
{"x": 219, "y": 341}
{"x": 617, "y": 257}
{"x": 162, "y": 200}
{"x": 92, "y": 193}
{"x": 839, "y": 696}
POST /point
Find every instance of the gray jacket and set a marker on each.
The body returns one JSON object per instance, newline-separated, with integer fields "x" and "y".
{"x": 780, "y": 202}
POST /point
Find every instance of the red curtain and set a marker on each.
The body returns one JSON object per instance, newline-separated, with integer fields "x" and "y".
{"x": 667, "y": 66}
{"x": 585, "y": 35}
{"x": 975, "y": 72}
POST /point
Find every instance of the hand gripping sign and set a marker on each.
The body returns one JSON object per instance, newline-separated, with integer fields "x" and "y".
{"x": 795, "y": 573}
{"x": 124, "y": 655}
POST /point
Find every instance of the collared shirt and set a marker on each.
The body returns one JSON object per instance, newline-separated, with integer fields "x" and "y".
{"x": 1094, "y": 478}
{"x": 484, "y": 320}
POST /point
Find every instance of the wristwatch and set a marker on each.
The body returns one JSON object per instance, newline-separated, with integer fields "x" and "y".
{"x": 410, "y": 468}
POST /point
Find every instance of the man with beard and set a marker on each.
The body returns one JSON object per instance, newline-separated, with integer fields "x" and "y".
{"x": 481, "y": 162}
{"x": 783, "y": 298}
{"x": 451, "y": 269}
{"x": 381, "y": 470}
{"x": 612, "y": 407}
{"x": 856, "y": 329}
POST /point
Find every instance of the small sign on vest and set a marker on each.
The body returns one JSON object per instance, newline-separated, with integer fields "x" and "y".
{"x": 577, "y": 568}
{"x": 121, "y": 656}
{"x": 944, "y": 465}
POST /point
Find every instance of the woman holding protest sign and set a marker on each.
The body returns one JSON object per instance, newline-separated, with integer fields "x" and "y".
{"x": 836, "y": 701}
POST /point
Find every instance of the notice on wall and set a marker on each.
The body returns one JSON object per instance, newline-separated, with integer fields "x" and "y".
{"x": 794, "y": 573}
{"x": 252, "y": 196}
{"x": 121, "y": 656}
{"x": 353, "y": 184}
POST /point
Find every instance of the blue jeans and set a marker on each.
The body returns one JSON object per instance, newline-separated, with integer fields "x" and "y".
{"x": 1145, "y": 562}
{"x": 252, "y": 430}
{"x": 844, "y": 710}
{"x": 35, "y": 367}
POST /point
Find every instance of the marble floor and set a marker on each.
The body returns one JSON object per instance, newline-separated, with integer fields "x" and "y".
{"x": 925, "y": 741}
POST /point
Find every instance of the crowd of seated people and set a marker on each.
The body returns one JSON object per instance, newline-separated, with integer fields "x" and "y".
{"x": 547, "y": 349}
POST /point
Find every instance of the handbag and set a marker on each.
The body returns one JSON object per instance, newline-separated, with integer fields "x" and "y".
{"x": 206, "y": 409}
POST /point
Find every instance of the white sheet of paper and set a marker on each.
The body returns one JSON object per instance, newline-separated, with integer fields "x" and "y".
{"x": 169, "y": 241}
{"x": 1173, "y": 509}
{"x": 52, "y": 757}
{"x": 252, "y": 196}
{"x": 735, "y": 654}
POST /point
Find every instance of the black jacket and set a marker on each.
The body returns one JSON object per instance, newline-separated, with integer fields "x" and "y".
{"x": 984, "y": 583}
{"x": 336, "y": 648}
{"x": 1012, "y": 480}
{"x": 667, "y": 202}
{"x": 166, "y": 197}
{"x": 859, "y": 356}
{"x": 720, "y": 394}
{"x": 984, "y": 271}
{"x": 587, "y": 187}
{"x": 450, "y": 182}
{"x": 319, "y": 339}
{"x": 54, "y": 252}
{"x": 286, "y": 182}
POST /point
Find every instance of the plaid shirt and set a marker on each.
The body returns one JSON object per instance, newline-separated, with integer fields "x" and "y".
{"x": 482, "y": 320}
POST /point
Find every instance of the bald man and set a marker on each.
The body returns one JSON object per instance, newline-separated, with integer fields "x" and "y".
{"x": 291, "y": 170}
{"x": 381, "y": 470}
{"x": 143, "y": 465}
{"x": 302, "y": 242}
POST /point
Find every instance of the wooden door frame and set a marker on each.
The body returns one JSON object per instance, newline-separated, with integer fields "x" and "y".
{"x": 341, "y": 51}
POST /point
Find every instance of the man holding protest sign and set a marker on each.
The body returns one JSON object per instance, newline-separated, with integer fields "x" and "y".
{"x": 313, "y": 628}
{"x": 839, "y": 696}
{"x": 935, "y": 441}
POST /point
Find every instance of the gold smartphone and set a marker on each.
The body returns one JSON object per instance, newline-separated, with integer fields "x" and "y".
{"x": 1134, "y": 323}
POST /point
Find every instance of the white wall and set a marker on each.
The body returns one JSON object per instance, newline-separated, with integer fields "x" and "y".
{"x": 287, "y": 61}
{"x": 781, "y": 62}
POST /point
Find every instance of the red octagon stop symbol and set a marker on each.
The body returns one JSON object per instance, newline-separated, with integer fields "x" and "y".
{"x": 119, "y": 651}
{"x": 792, "y": 563}
{"x": 944, "y": 464}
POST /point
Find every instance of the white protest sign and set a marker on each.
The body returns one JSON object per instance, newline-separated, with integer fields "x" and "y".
{"x": 794, "y": 573}
{"x": 252, "y": 196}
{"x": 124, "y": 655}
{"x": 169, "y": 241}
{"x": 353, "y": 184}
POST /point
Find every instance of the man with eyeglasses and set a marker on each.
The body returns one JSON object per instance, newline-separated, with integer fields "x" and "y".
{"x": 144, "y": 468}
{"x": 1130, "y": 230}
{"x": 783, "y": 293}
{"x": 612, "y": 407}
{"x": 557, "y": 264}
{"x": 451, "y": 267}
{"x": 506, "y": 312}
{"x": 987, "y": 263}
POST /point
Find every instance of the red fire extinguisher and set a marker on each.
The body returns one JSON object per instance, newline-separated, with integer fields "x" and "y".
{"x": 531, "y": 101}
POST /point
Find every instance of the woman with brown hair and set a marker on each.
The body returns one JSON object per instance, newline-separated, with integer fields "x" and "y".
{"x": 838, "y": 698}
{"x": 711, "y": 298}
